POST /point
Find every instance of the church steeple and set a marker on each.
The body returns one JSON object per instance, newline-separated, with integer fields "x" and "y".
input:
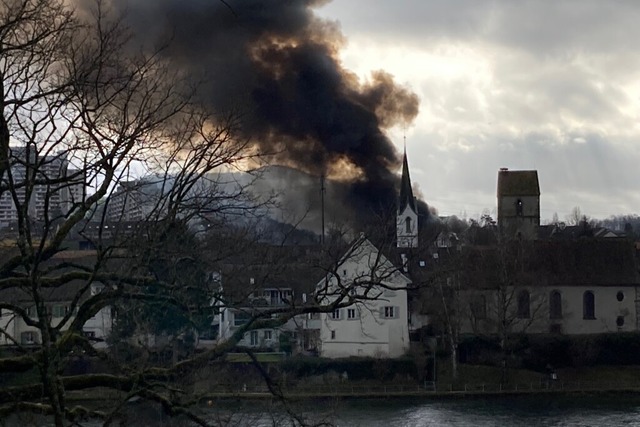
{"x": 407, "y": 217}
{"x": 406, "y": 193}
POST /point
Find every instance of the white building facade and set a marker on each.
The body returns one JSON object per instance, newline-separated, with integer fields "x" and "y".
{"x": 18, "y": 332}
{"x": 376, "y": 325}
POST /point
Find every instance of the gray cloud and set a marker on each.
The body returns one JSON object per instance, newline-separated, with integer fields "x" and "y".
{"x": 583, "y": 170}
{"x": 544, "y": 27}
{"x": 561, "y": 94}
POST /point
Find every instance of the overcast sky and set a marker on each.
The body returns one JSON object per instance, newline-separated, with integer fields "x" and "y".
{"x": 546, "y": 85}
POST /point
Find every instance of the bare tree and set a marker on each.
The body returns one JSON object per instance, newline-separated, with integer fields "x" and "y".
{"x": 505, "y": 298}
{"x": 92, "y": 130}
{"x": 444, "y": 292}
{"x": 80, "y": 113}
{"x": 575, "y": 216}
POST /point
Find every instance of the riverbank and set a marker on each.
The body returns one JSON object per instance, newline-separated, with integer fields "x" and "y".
{"x": 470, "y": 391}
{"x": 474, "y": 381}
{"x": 441, "y": 392}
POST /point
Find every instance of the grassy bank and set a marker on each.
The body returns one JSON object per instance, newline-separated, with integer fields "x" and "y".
{"x": 478, "y": 374}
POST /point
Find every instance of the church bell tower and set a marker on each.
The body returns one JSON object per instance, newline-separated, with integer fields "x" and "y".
{"x": 407, "y": 217}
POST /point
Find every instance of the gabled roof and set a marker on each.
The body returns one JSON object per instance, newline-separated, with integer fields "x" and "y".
{"x": 561, "y": 231}
{"x": 518, "y": 183}
{"x": 388, "y": 256}
{"x": 406, "y": 193}
{"x": 296, "y": 268}
{"x": 64, "y": 292}
{"x": 571, "y": 262}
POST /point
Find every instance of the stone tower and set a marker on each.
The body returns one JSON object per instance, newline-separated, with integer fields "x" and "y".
{"x": 518, "y": 203}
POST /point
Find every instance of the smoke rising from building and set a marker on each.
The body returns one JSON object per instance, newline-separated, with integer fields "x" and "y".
{"x": 278, "y": 63}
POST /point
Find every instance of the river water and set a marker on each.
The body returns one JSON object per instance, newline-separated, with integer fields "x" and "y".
{"x": 539, "y": 410}
{"x": 519, "y": 411}
{"x": 545, "y": 410}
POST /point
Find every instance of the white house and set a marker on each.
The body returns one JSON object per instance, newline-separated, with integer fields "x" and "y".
{"x": 376, "y": 323}
{"x": 231, "y": 319}
{"x": 263, "y": 292}
{"x": 57, "y": 305}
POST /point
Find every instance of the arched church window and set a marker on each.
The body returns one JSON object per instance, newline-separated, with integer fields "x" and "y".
{"x": 524, "y": 305}
{"x": 555, "y": 305}
{"x": 479, "y": 307}
{"x": 519, "y": 206}
{"x": 407, "y": 224}
{"x": 588, "y": 305}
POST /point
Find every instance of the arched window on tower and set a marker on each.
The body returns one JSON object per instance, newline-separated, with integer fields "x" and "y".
{"x": 407, "y": 225}
{"x": 519, "y": 207}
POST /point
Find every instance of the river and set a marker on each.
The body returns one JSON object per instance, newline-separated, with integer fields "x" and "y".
{"x": 544, "y": 410}
{"x": 531, "y": 410}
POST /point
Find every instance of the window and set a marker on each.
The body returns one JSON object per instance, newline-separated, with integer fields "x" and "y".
{"x": 267, "y": 335}
{"x": 555, "y": 305}
{"x": 524, "y": 309}
{"x": 277, "y": 296}
{"x": 389, "y": 312}
{"x": 59, "y": 310}
{"x": 29, "y": 337}
{"x": 31, "y": 312}
{"x": 407, "y": 225}
{"x": 333, "y": 335}
{"x": 335, "y": 315}
{"x": 253, "y": 337}
{"x": 479, "y": 307}
{"x": 89, "y": 334}
{"x": 588, "y": 305}
{"x": 285, "y": 296}
{"x": 620, "y": 321}
{"x": 620, "y": 296}
{"x": 351, "y": 313}
{"x": 519, "y": 206}
{"x": 240, "y": 318}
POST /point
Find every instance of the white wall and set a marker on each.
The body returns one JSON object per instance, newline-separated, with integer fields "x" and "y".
{"x": 100, "y": 326}
{"x": 407, "y": 238}
{"x": 370, "y": 333}
{"x": 227, "y": 328}
{"x": 607, "y": 310}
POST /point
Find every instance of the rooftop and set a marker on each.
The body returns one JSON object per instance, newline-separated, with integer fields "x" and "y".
{"x": 518, "y": 183}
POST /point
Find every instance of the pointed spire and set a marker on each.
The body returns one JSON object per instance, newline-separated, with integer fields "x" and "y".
{"x": 406, "y": 193}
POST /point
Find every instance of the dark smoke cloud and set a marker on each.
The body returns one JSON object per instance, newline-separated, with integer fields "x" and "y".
{"x": 278, "y": 62}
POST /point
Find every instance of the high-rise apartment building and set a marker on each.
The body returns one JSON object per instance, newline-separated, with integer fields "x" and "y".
{"x": 49, "y": 196}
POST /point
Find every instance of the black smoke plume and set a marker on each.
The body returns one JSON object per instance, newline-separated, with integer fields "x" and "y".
{"x": 278, "y": 62}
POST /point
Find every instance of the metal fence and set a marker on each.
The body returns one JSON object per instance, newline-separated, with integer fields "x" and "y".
{"x": 427, "y": 388}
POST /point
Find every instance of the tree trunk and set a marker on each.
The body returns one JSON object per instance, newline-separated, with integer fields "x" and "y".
{"x": 504, "y": 366}
{"x": 454, "y": 357}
